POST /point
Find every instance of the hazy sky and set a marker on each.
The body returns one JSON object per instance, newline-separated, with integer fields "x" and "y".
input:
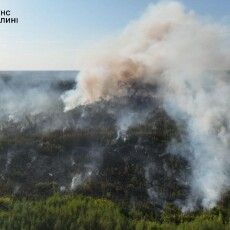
{"x": 50, "y": 32}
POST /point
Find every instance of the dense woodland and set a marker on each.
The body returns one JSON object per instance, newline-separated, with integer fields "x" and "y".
{"x": 81, "y": 212}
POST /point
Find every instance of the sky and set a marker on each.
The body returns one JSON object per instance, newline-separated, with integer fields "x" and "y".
{"x": 50, "y": 33}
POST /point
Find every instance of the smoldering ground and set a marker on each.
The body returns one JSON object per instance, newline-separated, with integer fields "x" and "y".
{"x": 90, "y": 149}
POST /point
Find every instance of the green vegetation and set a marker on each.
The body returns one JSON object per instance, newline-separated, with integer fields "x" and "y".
{"x": 81, "y": 212}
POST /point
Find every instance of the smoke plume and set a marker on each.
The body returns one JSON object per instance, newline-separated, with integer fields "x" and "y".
{"x": 29, "y": 97}
{"x": 188, "y": 59}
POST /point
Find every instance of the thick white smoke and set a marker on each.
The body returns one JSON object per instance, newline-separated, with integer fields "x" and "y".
{"x": 188, "y": 59}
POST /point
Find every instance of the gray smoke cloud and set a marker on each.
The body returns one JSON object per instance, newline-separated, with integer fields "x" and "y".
{"x": 188, "y": 59}
{"x": 26, "y": 95}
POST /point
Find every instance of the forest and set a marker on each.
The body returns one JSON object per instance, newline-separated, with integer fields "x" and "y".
{"x": 105, "y": 165}
{"x": 82, "y": 212}
{"x": 104, "y": 128}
